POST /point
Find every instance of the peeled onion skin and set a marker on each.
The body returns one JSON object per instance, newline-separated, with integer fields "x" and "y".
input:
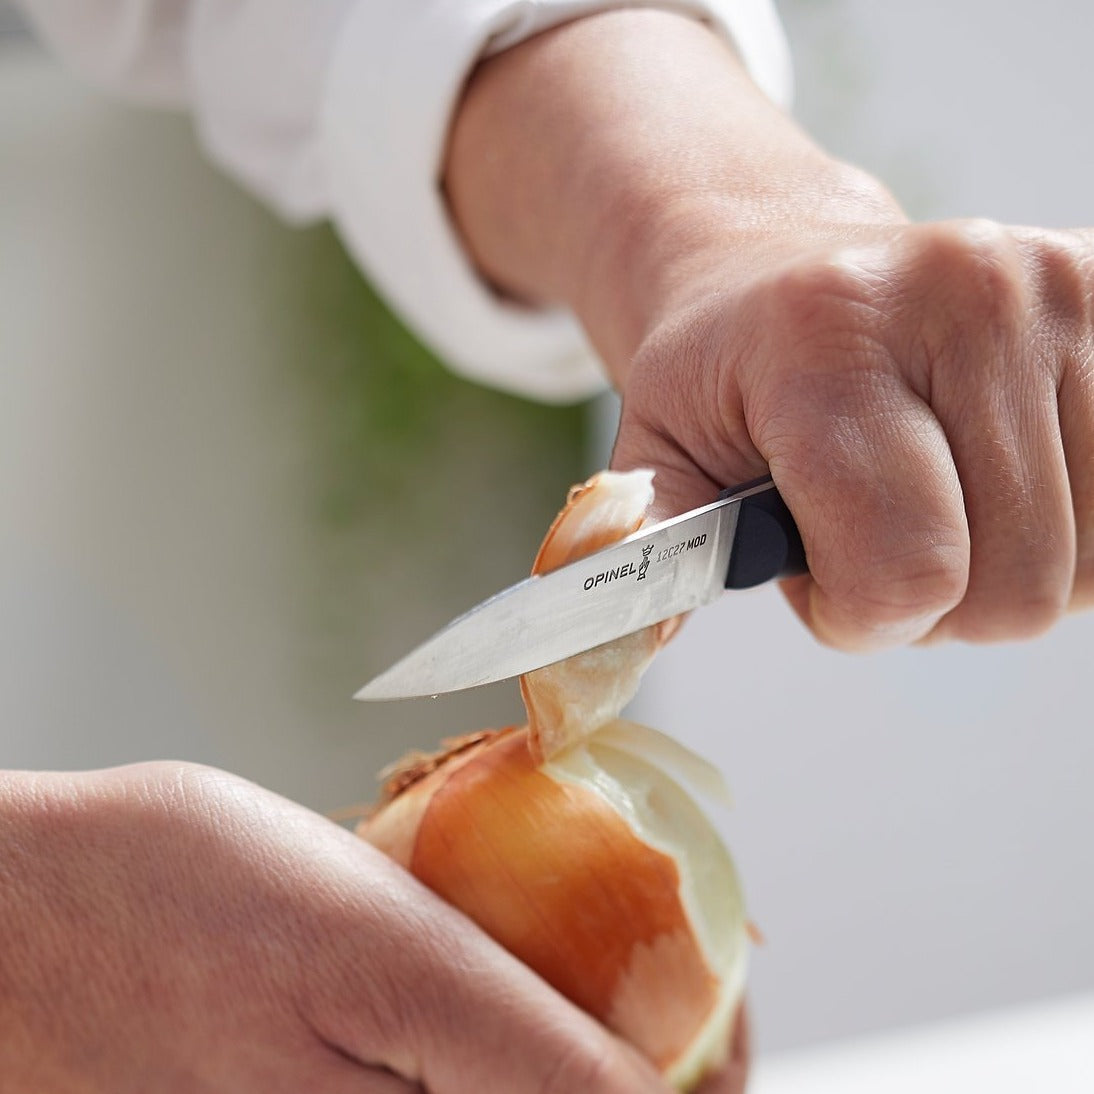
{"x": 570, "y": 699}
{"x": 568, "y": 842}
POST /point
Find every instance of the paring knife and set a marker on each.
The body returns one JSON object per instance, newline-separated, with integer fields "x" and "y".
{"x": 744, "y": 538}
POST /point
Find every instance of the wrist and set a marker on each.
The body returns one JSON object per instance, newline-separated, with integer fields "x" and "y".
{"x": 616, "y": 162}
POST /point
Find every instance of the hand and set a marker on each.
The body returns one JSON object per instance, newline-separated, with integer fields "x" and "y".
{"x": 172, "y": 927}
{"x": 923, "y": 394}
{"x": 924, "y": 398}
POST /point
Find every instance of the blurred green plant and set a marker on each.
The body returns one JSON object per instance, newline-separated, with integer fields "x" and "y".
{"x": 424, "y": 492}
{"x": 392, "y": 423}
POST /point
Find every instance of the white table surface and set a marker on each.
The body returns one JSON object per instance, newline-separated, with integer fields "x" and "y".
{"x": 1044, "y": 1048}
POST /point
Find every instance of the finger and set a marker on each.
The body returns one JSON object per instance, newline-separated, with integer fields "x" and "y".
{"x": 732, "y": 1077}
{"x": 1077, "y": 429}
{"x": 856, "y": 451}
{"x": 1010, "y": 458}
{"x": 876, "y": 497}
{"x": 993, "y": 376}
{"x": 504, "y": 1029}
{"x": 1066, "y": 263}
{"x": 438, "y": 1002}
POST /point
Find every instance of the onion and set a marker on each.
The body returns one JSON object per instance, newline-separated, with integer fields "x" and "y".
{"x": 570, "y": 842}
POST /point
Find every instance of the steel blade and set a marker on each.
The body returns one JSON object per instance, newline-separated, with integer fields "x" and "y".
{"x": 656, "y": 573}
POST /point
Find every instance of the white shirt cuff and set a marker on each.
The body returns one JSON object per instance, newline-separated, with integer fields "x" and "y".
{"x": 393, "y": 83}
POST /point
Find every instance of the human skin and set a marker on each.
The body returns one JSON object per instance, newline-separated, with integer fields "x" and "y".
{"x": 170, "y": 927}
{"x": 922, "y": 393}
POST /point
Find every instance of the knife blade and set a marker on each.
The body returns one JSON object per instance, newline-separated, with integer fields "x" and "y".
{"x": 746, "y": 537}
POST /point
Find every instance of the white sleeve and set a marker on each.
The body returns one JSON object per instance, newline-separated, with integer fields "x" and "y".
{"x": 340, "y": 108}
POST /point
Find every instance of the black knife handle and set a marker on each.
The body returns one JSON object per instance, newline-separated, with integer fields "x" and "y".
{"x": 767, "y": 543}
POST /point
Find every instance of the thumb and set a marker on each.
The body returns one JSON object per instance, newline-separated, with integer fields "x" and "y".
{"x": 425, "y": 993}
{"x": 504, "y": 1029}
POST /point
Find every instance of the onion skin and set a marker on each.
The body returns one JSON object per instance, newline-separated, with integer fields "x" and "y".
{"x": 569, "y": 700}
{"x": 518, "y": 829}
{"x": 555, "y": 874}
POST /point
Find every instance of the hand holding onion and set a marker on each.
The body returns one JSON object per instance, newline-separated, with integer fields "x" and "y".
{"x": 168, "y": 927}
{"x": 172, "y": 927}
{"x": 570, "y": 843}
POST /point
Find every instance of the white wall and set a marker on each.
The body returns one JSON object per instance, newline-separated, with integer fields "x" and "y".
{"x": 916, "y": 830}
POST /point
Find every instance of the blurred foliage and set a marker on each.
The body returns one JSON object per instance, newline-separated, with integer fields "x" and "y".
{"x": 392, "y": 421}
{"x": 424, "y": 492}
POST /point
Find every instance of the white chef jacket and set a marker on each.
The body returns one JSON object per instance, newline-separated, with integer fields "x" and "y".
{"x": 340, "y": 109}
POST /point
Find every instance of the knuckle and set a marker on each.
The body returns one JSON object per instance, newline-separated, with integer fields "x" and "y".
{"x": 155, "y": 794}
{"x": 175, "y": 789}
{"x": 1064, "y": 267}
{"x": 968, "y": 244}
{"x": 829, "y": 319}
{"x": 823, "y": 298}
{"x": 976, "y": 267}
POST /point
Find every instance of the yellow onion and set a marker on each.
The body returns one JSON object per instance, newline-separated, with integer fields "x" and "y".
{"x": 570, "y": 843}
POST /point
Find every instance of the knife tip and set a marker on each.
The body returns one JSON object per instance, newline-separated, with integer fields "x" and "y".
{"x": 371, "y": 692}
{"x": 366, "y": 695}
{"x": 383, "y": 690}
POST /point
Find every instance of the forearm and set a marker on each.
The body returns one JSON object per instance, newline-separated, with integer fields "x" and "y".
{"x": 599, "y": 165}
